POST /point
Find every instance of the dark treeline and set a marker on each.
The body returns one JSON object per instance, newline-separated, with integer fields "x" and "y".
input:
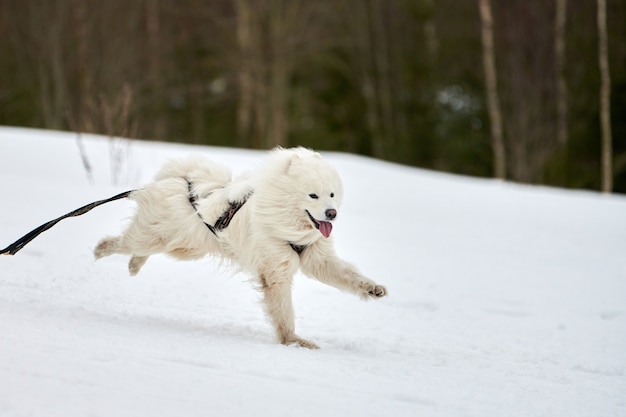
{"x": 401, "y": 80}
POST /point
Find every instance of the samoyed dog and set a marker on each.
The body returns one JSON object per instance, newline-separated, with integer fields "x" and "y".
{"x": 269, "y": 223}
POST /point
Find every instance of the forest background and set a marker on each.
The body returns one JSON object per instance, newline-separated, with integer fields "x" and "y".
{"x": 401, "y": 80}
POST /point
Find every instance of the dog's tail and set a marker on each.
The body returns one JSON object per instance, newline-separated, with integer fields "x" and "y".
{"x": 16, "y": 246}
{"x": 205, "y": 175}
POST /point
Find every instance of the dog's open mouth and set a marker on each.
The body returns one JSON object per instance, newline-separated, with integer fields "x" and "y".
{"x": 324, "y": 227}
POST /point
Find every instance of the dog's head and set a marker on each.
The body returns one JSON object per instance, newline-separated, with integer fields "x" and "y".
{"x": 317, "y": 187}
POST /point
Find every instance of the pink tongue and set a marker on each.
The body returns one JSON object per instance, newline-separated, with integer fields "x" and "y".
{"x": 326, "y": 228}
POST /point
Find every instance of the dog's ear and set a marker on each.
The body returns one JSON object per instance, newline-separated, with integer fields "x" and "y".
{"x": 296, "y": 155}
{"x": 293, "y": 159}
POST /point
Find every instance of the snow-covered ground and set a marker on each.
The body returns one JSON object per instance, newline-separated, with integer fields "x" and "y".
{"x": 504, "y": 300}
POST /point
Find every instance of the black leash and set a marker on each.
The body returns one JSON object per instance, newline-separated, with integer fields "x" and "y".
{"x": 16, "y": 246}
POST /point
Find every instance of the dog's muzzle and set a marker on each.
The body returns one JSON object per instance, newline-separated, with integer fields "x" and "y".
{"x": 325, "y": 227}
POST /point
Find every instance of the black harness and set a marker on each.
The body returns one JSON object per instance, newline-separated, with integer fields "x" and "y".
{"x": 224, "y": 220}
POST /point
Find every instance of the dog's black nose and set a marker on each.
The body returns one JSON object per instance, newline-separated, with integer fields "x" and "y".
{"x": 331, "y": 214}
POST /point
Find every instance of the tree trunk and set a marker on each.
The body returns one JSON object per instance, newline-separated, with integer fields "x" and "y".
{"x": 605, "y": 103}
{"x": 279, "y": 74}
{"x": 81, "y": 34}
{"x": 155, "y": 72}
{"x": 382, "y": 74}
{"x": 562, "y": 131}
{"x": 363, "y": 51}
{"x": 279, "y": 124}
{"x": 561, "y": 85}
{"x": 246, "y": 88}
{"x": 493, "y": 101}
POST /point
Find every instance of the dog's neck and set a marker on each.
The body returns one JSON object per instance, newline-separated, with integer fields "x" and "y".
{"x": 297, "y": 248}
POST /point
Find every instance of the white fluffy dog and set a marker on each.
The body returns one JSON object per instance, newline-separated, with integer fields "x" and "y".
{"x": 270, "y": 223}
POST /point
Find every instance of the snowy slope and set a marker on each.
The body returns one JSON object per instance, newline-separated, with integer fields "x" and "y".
{"x": 505, "y": 300}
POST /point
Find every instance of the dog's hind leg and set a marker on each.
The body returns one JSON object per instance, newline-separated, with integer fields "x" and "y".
{"x": 135, "y": 264}
{"x": 107, "y": 246}
{"x": 112, "y": 245}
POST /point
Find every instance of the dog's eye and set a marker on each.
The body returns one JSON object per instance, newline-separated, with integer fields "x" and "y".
{"x": 332, "y": 195}
{"x": 313, "y": 196}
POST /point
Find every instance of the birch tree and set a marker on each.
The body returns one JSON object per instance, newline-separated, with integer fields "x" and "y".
{"x": 605, "y": 103}
{"x": 493, "y": 101}
{"x": 561, "y": 85}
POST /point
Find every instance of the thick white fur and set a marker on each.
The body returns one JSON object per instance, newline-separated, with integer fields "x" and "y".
{"x": 259, "y": 235}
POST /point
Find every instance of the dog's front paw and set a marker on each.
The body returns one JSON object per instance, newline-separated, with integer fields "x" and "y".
{"x": 377, "y": 291}
{"x": 298, "y": 341}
